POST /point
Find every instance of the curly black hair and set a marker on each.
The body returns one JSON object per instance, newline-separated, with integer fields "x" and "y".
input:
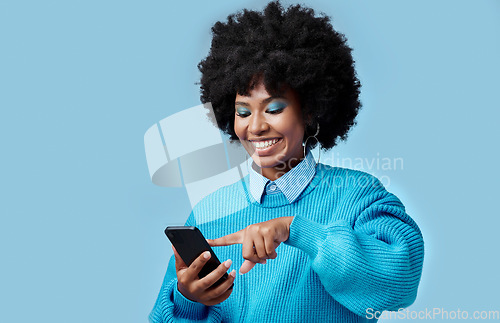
{"x": 285, "y": 48}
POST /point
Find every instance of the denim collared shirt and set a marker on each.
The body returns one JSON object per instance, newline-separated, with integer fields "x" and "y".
{"x": 291, "y": 184}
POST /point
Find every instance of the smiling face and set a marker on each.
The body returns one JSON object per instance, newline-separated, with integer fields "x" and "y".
{"x": 271, "y": 129}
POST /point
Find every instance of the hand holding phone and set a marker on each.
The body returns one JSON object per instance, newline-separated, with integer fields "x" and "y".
{"x": 200, "y": 275}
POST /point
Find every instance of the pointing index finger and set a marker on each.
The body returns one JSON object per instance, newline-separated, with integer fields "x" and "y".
{"x": 230, "y": 239}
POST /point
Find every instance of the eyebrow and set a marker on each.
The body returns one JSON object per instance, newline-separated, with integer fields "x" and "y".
{"x": 265, "y": 101}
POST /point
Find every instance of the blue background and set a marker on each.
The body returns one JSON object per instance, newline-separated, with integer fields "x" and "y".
{"x": 81, "y": 230}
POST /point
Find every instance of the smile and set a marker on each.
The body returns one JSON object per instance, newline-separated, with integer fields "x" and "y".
{"x": 264, "y": 144}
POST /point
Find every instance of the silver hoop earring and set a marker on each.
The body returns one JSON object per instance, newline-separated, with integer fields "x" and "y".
{"x": 317, "y": 141}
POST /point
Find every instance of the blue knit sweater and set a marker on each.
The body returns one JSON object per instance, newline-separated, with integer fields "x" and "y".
{"x": 352, "y": 251}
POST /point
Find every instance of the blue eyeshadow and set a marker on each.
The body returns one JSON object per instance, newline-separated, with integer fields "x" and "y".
{"x": 242, "y": 110}
{"x": 275, "y": 106}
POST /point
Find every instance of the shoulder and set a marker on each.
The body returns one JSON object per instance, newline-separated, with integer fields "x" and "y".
{"x": 355, "y": 185}
{"x": 224, "y": 201}
{"x": 356, "y": 190}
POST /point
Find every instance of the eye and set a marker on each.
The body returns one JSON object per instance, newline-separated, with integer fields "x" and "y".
{"x": 276, "y": 107}
{"x": 242, "y": 112}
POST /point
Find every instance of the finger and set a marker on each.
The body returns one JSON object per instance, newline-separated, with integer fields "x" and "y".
{"x": 222, "y": 288}
{"x": 197, "y": 265}
{"x": 230, "y": 239}
{"x": 219, "y": 299}
{"x": 270, "y": 247}
{"x": 179, "y": 263}
{"x": 246, "y": 266}
{"x": 260, "y": 248}
{"x": 210, "y": 279}
{"x": 248, "y": 250}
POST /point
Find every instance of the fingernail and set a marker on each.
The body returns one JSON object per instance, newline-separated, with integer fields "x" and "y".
{"x": 233, "y": 273}
{"x": 228, "y": 263}
{"x": 206, "y": 255}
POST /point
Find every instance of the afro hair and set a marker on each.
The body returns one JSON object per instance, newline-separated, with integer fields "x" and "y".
{"x": 284, "y": 48}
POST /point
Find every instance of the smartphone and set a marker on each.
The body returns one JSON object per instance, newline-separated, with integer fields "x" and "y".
{"x": 190, "y": 244}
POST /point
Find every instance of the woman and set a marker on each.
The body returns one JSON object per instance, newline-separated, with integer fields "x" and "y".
{"x": 312, "y": 243}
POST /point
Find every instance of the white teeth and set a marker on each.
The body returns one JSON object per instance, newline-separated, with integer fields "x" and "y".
{"x": 264, "y": 144}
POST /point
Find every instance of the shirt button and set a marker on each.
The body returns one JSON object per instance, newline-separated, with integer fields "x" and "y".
{"x": 272, "y": 187}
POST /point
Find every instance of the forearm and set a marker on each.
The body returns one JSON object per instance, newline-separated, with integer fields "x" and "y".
{"x": 376, "y": 266}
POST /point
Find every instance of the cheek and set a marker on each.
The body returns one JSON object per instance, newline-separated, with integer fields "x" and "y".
{"x": 293, "y": 131}
{"x": 298, "y": 130}
{"x": 297, "y": 135}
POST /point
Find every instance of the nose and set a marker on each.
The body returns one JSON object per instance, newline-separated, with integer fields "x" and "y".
{"x": 258, "y": 124}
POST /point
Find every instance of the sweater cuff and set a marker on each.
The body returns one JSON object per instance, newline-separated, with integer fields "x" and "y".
{"x": 306, "y": 235}
{"x": 187, "y": 308}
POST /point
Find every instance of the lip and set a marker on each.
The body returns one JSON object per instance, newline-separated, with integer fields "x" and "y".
{"x": 264, "y": 139}
{"x": 268, "y": 150}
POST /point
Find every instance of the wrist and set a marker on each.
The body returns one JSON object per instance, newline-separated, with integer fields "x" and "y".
{"x": 288, "y": 220}
{"x": 183, "y": 293}
{"x": 185, "y": 307}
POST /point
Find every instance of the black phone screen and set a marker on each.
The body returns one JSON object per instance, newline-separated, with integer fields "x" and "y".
{"x": 190, "y": 244}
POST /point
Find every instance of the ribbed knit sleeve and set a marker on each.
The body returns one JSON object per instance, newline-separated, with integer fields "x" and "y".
{"x": 369, "y": 256}
{"x": 172, "y": 306}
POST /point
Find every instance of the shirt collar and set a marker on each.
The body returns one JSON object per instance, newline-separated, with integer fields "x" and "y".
{"x": 291, "y": 184}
